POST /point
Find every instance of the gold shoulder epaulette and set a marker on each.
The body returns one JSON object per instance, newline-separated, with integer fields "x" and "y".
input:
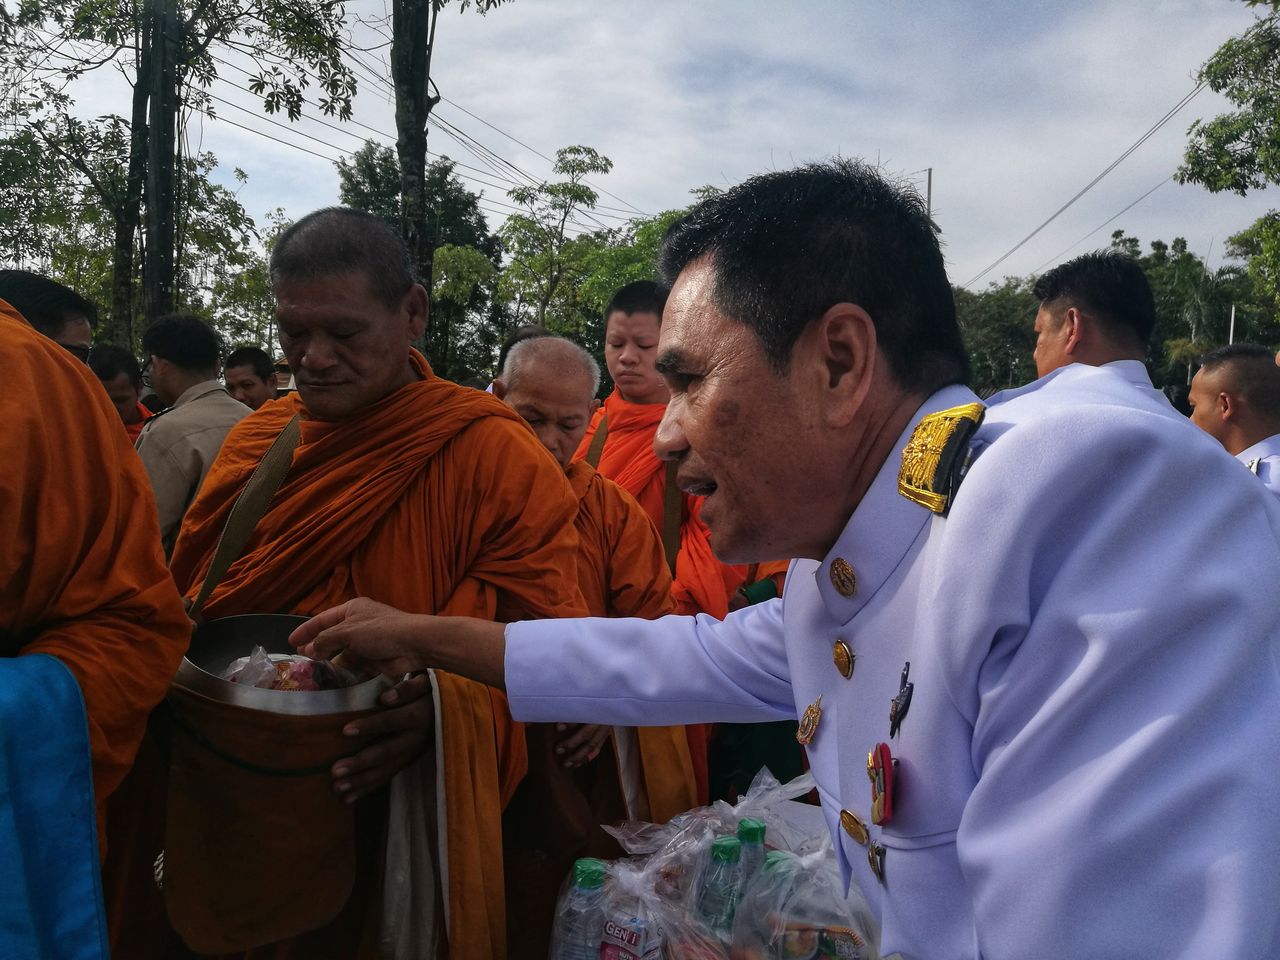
{"x": 935, "y": 454}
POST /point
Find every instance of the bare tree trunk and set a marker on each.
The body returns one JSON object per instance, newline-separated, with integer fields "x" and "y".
{"x": 162, "y": 81}
{"x": 128, "y": 213}
{"x": 413, "y": 28}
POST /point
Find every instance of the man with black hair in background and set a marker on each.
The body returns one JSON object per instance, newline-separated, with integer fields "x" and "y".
{"x": 1097, "y": 310}
{"x": 1235, "y": 398}
{"x": 121, "y": 377}
{"x": 57, "y": 311}
{"x": 250, "y": 376}
{"x": 178, "y": 446}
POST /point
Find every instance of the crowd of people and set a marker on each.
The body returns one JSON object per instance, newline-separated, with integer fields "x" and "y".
{"x": 788, "y": 536}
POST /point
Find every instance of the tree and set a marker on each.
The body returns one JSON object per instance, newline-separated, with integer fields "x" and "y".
{"x": 456, "y": 225}
{"x": 165, "y": 50}
{"x": 413, "y": 45}
{"x": 545, "y": 262}
{"x": 997, "y": 326}
{"x": 1240, "y": 150}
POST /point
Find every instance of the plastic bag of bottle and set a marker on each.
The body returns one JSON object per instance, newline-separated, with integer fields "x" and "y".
{"x": 579, "y": 921}
{"x": 633, "y": 916}
{"x": 795, "y": 908}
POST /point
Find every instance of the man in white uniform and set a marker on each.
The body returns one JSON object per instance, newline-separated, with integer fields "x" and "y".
{"x": 1043, "y": 720}
{"x": 1235, "y": 398}
{"x": 1098, "y": 310}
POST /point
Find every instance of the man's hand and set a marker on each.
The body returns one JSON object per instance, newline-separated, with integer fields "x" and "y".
{"x": 403, "y": 733}
{"x": 371, "y": 632}
{"x": 582, "y": 742}
{"x": 395, "y": 643}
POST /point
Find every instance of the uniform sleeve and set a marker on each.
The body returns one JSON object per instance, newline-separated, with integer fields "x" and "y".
{"x": 81, "y": 576}
{"x": 1124, "y": 706}
{"x": 675, "y": 670}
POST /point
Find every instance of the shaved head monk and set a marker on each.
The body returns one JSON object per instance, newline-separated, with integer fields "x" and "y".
{"x": 91, "y": 632}
{"x": 419, "y": 492}
{"x": 584, "y": 775}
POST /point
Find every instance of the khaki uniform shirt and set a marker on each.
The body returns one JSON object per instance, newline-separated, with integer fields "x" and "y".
{"x": 179, "y": 445}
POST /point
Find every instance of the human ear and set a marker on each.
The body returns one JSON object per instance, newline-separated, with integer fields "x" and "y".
{"x": 499, "y": 389}
{"x": 417, "y": 307}
{"x": 846, "y": 348}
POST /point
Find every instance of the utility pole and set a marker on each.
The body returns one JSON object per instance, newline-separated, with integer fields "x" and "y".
{"x": 928, "y": 193}
{"x": 160, "y": 225}
{"x": 1231, "y": 337}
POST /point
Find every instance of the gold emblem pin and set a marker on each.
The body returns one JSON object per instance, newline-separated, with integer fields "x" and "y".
{"x": 843, "y": 658}
{"x": 809, "y": 722}
{"x": 842, "y": 577}
{"x": 875, "y": 857}
{"x": 854, "y": 826}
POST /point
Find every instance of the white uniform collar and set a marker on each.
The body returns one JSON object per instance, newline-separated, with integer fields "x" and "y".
{"x": 884, "y": 524}
{"x": 1269, "y": 447}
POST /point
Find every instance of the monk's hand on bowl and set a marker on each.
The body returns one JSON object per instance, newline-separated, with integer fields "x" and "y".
{"x": 367, "y": 631}
{"x": 582, "y": 742}
{"x": 401, "y": 735}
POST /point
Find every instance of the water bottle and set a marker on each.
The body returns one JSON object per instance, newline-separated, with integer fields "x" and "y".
{"x": 751, "y": 836}
{"x": 581, "y": 914}
{"x": 721, "y": 886}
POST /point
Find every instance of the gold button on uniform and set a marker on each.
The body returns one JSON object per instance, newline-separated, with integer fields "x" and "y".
{"x": 842, "y": 577}
{"x": 854, "y": 826}
{"x": 843, "y": 658}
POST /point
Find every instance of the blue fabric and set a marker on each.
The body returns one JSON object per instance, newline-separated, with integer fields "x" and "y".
{"x": 50, "y": 882}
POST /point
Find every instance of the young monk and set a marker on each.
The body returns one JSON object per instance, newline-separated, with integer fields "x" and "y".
{"x": 619, "y": 443}
{"x": 414, "y": 490}
{"x": 588, "y": 775}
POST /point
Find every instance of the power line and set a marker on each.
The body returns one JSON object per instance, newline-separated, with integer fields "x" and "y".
{"x": 1058, "y": 256}
{"x": 1092, "y": 183}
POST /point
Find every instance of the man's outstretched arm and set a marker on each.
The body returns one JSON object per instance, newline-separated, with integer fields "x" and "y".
{"x": 632, "y": 672}
{"x": 395, "y": 643}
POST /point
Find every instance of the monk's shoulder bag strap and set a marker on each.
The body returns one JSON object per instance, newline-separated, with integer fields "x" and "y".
{"x": 597, "y": 442}
{"x": 672, "y": 503}
{"x": 250, "y": 507}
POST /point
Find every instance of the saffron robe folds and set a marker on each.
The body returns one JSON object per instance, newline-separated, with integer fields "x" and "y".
{"x": 436, "y": 500}
{"x": 82, "y": 577}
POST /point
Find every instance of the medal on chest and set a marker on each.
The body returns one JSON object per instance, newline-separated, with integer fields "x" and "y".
{"x": 809, "y": 722}
{"x": 881, "y": 768}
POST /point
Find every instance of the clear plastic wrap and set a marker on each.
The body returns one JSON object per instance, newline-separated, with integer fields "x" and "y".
{"x": 288, "y": 672}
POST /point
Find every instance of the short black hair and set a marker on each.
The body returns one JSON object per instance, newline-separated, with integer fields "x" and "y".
{"x": 184, "y": 340}
{"x": 1255, "y": 378}
{"x": 109, "y": 361}
{"x": 255, "y": 358}
{"x": 1106, "y": 284}
{"x": 45, "y": 304}
{"x": 787, "y": 246}
{"x": 639, "y": 296}
{"x": 526, "y": 331}
{"x": 338, "y": 240}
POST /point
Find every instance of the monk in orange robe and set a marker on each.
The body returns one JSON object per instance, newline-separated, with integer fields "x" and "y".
{"x": 121, "y": 377}
{"x": 619, "y": 443}
{"x": 589, "y": 775}
{"x": 82, "y": 577}
{"x": 415, "y": 491}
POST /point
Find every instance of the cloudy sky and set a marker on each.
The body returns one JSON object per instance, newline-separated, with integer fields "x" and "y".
{"x": 1016, "y": 106}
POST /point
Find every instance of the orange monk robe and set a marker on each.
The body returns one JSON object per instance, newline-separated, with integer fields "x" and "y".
{"x": 645, "y": 773}
{"x": 439, "y": 500}
{"x": 132, "y": 430}
{"x": 702, "y": 583}
{"x": 82, "y": 576}
{"x": 623, "y": 573}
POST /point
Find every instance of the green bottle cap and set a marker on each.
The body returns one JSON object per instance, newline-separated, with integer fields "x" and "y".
{"x": 726, "y": 849}
{"x": 776, "y": 859}
{"x": 751, "y": 830}
{"x": 589, "y": 873}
